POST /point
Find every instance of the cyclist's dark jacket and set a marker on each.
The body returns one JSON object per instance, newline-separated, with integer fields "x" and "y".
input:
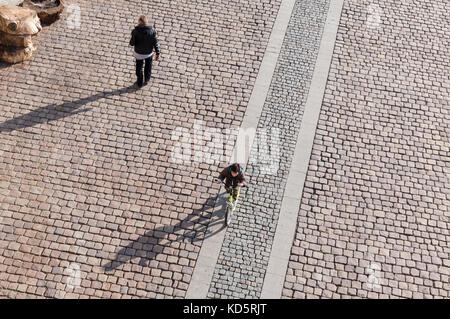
{"x": 230, "y": 180}
{"x": 144, "y": 39}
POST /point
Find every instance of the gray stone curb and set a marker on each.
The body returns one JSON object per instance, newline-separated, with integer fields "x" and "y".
{"x": 287, "y": 223}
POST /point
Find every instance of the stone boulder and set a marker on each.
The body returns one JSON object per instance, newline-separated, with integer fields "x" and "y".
{"x": 19, "y": 21}
{"x": 17, "y": 27}
{"x": 48, "y": 10}
{"x": 12, "y": 40}
{"x": 16, "y": 55}
{"x": 10, "y": 2}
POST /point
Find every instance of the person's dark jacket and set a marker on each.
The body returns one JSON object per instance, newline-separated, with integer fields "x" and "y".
{"x": 229, "y": 179}
{"x": 144, "y": 40}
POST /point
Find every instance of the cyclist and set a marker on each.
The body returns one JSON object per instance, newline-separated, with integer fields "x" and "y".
{"x": 234, "y": 177}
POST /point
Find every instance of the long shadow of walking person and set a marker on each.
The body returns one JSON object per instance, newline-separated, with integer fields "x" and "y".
{"x": 53, "y": 112}
{"x": 148, "y": 246}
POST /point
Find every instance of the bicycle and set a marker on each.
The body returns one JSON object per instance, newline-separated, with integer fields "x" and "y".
{"x": 231, "y": 204}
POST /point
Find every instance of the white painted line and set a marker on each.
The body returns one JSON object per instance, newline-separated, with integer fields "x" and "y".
{"x": 209, "y": 253}
{"x": 287, "y": 222}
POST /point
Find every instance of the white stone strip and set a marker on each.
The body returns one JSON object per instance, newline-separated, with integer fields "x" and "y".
{"x": 287, "y": 222}
{"x": 209, "y": 253}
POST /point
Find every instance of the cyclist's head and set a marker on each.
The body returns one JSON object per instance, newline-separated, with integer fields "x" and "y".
{"x": 235, "y": 169}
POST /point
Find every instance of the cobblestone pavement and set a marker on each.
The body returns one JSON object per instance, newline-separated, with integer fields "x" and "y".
{"x": 373, "y": 220}
{"x": 245, "y": 252}
{"x": 87, "y": 186}
{"x": 93, "y": 205}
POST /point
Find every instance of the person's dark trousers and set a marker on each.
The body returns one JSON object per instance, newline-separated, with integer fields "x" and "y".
{"x": 147, "y": 70}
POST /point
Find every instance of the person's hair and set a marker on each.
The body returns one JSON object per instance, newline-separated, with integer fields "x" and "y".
{"x": 235, "y": 167}
{"x": 143, "y": 20}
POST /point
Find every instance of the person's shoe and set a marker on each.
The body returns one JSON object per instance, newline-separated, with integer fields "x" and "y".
{"x": 145, "y": 83}
{"x": 136, "y": 85}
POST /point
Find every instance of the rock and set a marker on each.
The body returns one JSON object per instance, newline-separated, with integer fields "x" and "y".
{"x": 15, "y": 55}
{"x": 19, "y": 41}
{"x": 19, "y": 21}
{"x": 10, "y": 2}
{"x": 17, "y": 26}
{"x": 47, "y": 10}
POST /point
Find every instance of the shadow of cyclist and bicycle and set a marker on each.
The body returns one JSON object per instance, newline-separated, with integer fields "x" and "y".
{"x": 148, "y": 246}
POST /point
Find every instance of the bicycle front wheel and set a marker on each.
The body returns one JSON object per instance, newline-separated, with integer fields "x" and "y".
{"x": 228, "y": 214}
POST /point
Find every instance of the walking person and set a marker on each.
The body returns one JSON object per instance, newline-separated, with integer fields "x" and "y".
{"x": 144, "y": 40}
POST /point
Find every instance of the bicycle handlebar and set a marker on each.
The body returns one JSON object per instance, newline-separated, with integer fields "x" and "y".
{"x": 222, "y": 183}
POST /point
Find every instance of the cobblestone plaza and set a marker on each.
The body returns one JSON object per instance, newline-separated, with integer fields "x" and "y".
{"x": 94, "y": 204}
